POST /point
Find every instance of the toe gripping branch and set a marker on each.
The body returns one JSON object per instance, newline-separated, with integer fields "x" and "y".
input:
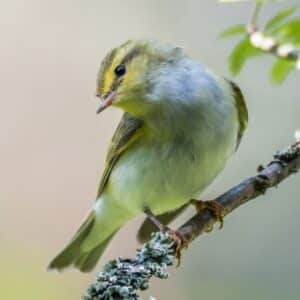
{"x": 215, "y": 208}
{"x": 178, "y": 240}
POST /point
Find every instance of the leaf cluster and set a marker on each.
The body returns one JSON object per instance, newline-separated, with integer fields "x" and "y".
{"x": 284, "y": 27}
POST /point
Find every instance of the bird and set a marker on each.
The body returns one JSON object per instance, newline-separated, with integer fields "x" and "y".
{"x": 181, "y": 122}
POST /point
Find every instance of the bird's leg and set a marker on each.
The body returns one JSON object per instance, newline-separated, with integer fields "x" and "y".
{"x": 213, "y": 206}
{"x": 179, "y": 240}
{"x": 162, "y": 227}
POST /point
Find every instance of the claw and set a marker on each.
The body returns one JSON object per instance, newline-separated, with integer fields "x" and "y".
{"x": 180, "y": 243}
{"x": 213, "y": 206}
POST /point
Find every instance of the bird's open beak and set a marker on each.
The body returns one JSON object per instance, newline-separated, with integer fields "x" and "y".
{"x": 106, "y": 101}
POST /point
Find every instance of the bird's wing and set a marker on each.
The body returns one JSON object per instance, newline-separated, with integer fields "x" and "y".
{"x": 126, "y": 133}
{"x": 242, "y": 110}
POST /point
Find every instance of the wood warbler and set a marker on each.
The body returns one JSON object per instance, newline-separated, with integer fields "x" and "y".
{"x": 181, "y": 124}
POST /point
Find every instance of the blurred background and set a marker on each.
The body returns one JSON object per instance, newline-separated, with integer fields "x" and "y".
{"x": 53, "y": 147}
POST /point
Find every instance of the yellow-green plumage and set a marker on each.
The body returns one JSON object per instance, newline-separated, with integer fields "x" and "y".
{"x": 180, "y": 126}
{"x": 126, "y": 133}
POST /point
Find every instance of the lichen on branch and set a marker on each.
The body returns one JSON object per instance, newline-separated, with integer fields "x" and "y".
{"x": 123, "y": 277}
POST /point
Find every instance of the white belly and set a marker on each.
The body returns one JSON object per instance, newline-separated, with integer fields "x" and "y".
{"x": 165, "y": 176}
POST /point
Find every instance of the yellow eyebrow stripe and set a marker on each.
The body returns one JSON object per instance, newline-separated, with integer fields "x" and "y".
{"x": 122, "y": 55}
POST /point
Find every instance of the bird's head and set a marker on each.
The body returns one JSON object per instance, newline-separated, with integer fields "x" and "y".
{"x": 130, "y": 73}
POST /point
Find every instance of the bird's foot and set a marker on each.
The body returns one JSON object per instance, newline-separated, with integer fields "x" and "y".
{"x": 213, "y": 206}
{"x": 180, "y": 243}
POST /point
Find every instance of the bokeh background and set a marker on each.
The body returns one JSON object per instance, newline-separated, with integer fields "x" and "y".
{"x": 53, "y": 147}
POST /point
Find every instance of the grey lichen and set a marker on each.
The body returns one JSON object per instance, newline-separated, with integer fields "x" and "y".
{"x": 122, "y": 278}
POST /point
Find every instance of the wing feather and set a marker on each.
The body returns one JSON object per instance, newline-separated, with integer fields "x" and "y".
{"x": 242, "y": 111}
{"x": 126, "y": 133}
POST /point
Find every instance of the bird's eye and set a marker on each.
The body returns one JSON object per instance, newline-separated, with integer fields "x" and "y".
{"x": 120, "y": 70}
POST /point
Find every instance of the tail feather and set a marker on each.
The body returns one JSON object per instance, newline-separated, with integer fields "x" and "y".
{"x": 91, "y": 239}
{"x": 66, "y": 257}
{"x": 72, "y": 254}
{"x": 87, "y": 261}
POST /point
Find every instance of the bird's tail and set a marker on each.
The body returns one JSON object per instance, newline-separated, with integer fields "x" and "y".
{"x": 91, "y": 239}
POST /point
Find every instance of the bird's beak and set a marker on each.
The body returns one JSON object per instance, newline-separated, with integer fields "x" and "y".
{"x": 106, "y": 101}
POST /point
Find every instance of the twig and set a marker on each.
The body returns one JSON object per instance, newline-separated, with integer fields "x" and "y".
{"x": 267, "y": 43}
{"x": 121, "y": 278}
{"x": 252, "y": 26}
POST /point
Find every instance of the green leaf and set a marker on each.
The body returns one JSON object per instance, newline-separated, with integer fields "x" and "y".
{"x": 230, "y": 1}
{"x": 280, "y": 17}
{"x": 241, "y": 52}
{"x": 281, "y": 69}
{"x": 289, "y": 32}
{"x": 233, "y": 31}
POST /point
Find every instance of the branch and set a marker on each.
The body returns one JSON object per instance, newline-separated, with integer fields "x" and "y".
{"x": 284, "y": 164}
{"x": 269, "y": 44}
{"x": 122, "y": 278}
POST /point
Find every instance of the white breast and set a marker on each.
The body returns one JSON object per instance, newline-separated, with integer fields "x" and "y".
{"x": 187, "y": 149}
